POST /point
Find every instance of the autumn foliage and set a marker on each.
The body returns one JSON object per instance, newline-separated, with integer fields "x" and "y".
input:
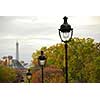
{"x": 7, "y": 75}
{"x": 83, "y": 60}
{"x": 51, "y": 75}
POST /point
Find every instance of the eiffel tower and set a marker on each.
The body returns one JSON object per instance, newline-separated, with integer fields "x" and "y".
{"x": 15, "y": 62}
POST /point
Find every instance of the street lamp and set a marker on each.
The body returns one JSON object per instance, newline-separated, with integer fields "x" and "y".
{"x": 22, "y": 79}
{"x": 42, "y": 62}
{"x": 29, "y": 75}
{"x": 66, "y": 33}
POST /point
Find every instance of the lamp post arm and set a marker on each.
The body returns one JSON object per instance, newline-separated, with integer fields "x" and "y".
{"x": 60, "y": 36}
{"x": 71, "y": 35}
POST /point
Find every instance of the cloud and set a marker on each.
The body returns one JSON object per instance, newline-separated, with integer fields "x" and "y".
{"x": 25, "y": 26}
{"x": 35, "y": 32}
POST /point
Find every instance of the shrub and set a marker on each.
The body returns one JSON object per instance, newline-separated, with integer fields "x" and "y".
{"x": 51, "y": 75}
{"x": 7, "y": 75}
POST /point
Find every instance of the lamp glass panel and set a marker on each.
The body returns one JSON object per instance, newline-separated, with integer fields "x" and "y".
{"x": 65, "y": 36}
{"x": 42, "y": 62}
{"x": 29, "y": 76}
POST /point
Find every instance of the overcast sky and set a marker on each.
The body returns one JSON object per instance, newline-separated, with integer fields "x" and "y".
{"x": 34, "y": 32}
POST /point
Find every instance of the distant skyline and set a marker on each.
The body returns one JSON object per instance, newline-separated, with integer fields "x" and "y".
{"x": 34, "y": 32}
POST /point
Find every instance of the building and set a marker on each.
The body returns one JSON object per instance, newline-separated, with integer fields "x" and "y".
{"x": 9, "y": 61}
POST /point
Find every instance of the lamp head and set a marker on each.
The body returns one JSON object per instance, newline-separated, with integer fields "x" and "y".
{"x": 29, "y": 75}
{"x": 65, "y": 27}
{"x": 65, "y": 31}
{"x": 42, "y": 59}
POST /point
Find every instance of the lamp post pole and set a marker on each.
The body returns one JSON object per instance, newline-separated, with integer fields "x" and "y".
{"x": 42, "y": 74}
{"x": 29, "y": 81}
{"x": 66, "y": 62}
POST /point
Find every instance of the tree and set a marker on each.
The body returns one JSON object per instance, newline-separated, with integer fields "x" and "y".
{"x": 83, "y": 59}
{"x": 7, "y": 75}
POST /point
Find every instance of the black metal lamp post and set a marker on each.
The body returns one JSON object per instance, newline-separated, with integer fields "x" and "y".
{"x": 29, "y": 75}
{"x": 42, "y": 62}
{"x": 66, "y": 33}
{"x": 22, "y": 79}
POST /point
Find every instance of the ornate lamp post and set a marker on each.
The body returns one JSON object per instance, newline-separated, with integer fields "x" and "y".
{"x": 42, "y": 62}
{"x": 66, "y": 33}
{"x": 29, "y": 75}
{"x": 22, "y": 79}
